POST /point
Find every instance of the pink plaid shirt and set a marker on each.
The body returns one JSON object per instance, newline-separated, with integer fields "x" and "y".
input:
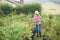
{"x": 37, "y": 19}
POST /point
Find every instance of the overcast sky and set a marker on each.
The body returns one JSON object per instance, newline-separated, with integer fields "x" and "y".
{"x": 32, "y": 0}
{"x": 42, "y": 1}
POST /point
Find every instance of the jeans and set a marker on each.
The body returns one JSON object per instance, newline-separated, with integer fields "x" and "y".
{"x": 38, "y": 28}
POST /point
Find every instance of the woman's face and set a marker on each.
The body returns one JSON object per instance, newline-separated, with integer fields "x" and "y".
{"x": 37, "y": 14}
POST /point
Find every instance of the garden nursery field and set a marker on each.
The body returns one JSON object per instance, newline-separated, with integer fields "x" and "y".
{"x": 16, "y": 22}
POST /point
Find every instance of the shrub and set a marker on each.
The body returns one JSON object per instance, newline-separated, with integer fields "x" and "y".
{"x": 28, "y": 8}
{"x": 6, "y": 8}
{"x": 1, "y": 13}
{"x": 18, "y": 9}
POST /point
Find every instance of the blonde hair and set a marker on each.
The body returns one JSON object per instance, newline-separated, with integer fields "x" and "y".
{"x": 36, "y": 12}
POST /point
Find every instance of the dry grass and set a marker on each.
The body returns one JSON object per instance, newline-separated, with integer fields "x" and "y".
{"x": 51, "y": 8}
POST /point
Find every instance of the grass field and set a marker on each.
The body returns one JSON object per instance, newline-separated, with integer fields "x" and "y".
{"x": 16, "y": 27}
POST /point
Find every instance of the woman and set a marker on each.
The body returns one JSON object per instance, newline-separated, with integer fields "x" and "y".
{"x": 37, "y": 21}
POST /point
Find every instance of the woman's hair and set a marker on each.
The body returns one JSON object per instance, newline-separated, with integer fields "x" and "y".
{"x": 36, "y": 12}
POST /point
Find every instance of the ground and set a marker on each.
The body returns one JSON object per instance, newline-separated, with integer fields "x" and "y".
{"x": 51, "y": 8}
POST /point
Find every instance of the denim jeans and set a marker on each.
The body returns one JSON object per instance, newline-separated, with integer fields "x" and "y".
{"x": 38, "y": 28}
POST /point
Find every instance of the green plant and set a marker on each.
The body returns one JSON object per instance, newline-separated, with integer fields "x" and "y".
{"x": 6, "y": 8}
{"x": 28, "y": 8}
{"x": 16, "y": 27}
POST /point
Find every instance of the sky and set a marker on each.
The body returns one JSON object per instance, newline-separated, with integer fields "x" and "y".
{"x": 42, "y": 1}
{"x": 17, "y": 0}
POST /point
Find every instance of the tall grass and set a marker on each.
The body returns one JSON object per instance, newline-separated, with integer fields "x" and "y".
{"x": 16, "y": 27}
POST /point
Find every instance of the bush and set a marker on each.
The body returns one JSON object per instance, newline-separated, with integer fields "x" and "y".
{"x": 28, "y": 8}
{"x": 6, "y": 8}
{"x": 18, "y": 9}
{"x": 1, "y": 13}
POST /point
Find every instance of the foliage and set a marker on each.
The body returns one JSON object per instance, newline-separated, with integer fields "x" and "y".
{"x": 28, "y": 8}
{"x": 6, "y": 8}
{"x": 16, "y": 27}
{"x": 13, "y": 29}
